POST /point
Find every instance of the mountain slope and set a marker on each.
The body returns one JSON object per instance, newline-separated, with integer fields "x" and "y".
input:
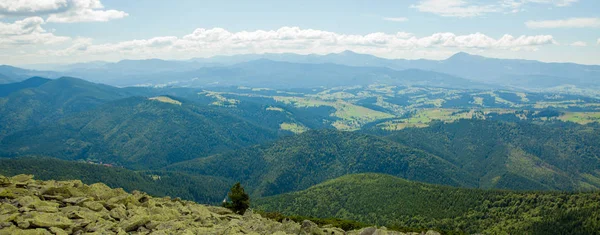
{"x": 15, "y": 74}
{"x": 300, "y": 161}
{"x": 391, "y": 201}
{"x": 6, "y": 89}
{"x": 138, "y": 133}
{"x": 521, "y": 155}
{"x": 27, "y": 108}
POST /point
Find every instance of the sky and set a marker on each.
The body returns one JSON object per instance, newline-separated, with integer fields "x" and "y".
{"x": 75, "y": 31}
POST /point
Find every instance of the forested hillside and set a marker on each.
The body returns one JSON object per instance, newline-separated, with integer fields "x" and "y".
{"x": 138, "y": 133}
{"x": 395, "y": 202}
{"x": 515, "y": 155}
{"x": 27, "y": 108}
{"x": 300, "y": 161}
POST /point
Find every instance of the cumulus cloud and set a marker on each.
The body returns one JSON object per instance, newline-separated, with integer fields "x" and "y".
{"x": 395, "y": 19}
{"x": 453, "y": 8}
{"x": 598, "y": 42}
{"x": 566, "y": 23}
{"x": 517, "y": 4}
{"x": 470, "y": 8}
{"x": 579, "y": 44}
{"x": 27, "y": 32}
{"x": 296, "y": 40}
{"x": 61, "y": 11}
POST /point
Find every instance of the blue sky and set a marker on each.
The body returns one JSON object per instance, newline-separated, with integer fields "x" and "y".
{"x": 66, "y": 31}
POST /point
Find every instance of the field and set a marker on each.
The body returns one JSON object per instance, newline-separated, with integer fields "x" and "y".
{"x": 394, "y": 108}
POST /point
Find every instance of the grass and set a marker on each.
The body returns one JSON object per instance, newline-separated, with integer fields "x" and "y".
{"x": 293, "y": 127}
{"x": 275, "y": 109}
{"x": 165, "y": 99}
{"x": 352, "y": 116}
{"x": 581, "y": 117}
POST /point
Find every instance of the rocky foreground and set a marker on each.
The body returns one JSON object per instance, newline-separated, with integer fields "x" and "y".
{"x": 29, "y": 206}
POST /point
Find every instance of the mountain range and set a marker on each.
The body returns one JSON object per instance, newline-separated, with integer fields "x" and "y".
{"x": 345, "y": 68}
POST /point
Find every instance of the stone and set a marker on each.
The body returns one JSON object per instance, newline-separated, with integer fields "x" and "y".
{"x": 4, "y": 181}
{"x": 133, "y": 223}
{"x": 6, "y": 208}
{"x": 47, "y": 220}
{"x": 58, "y": 231}
{"x": 22, "y": 178}
{"x": 431, "y": 232}
{"x": 118, "y": 213}
{"x": 368, "y": 231}
{"x": 95, "y": 206}
{"x": 76, "y": 200}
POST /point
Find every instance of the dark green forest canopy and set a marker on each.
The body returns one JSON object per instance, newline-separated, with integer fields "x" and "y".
{"x": 468, "y": 153}
{"x": 515, "y": 155}
{"x": 298, "y": 162}
{"x": 395, "y": 202}
{"x": 138, "y": 133}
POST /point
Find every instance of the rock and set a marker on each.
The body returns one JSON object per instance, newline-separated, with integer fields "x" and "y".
{"x": 21, "y": 178}
{"x": 118, "y": 213}
{"x": 95, "y": 206}
{"x": 6, "y": 208}
{"x": 431, "y": 232}
{"x": 58, "y": 231}
{"x": 7, "y": 193}
{"x": 47, "y": 220}
{"x": 76, "y": 200}
{"x": 16, "y": 231}
{"x": 4, "y": 181}
{"x": 134, "y": 222}
{"x": 368, "y": 231}
{"x": 8, "y": 217}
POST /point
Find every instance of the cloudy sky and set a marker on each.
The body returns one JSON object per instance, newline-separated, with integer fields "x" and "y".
{"x": 69, "y": 31}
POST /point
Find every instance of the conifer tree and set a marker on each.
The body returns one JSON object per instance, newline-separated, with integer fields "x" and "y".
{"x": 240, "y": 201}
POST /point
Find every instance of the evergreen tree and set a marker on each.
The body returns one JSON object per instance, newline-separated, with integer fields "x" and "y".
{"x": 240, "y": 201}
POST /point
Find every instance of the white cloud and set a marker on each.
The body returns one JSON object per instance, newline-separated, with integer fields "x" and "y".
{"x": 566, "y": 23}
{"x": 28, "y": 31}
{"x": 395, "y": 19}
{"x": 598, "y": 42}
{"x": 218, "y": 41}
{"x": 579, "y": 44}
{"x": 470, "y": 8}
{"x": 60, "y": 11}
{"x": 453, "y": 8}
{"x": 517, "y": 4}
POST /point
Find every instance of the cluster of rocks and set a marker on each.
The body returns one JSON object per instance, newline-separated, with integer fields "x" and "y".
{"x": 29, "y": 206}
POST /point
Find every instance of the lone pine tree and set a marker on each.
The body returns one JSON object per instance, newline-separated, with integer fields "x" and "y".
{"x": 240, "y": 201}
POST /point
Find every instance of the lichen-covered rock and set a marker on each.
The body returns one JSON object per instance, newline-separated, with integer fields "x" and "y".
{"x": 35, "y": 207}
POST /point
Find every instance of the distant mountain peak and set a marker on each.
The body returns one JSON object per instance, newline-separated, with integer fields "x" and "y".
{"x": 348, "y": 52}
{"x": 464, "y": 56}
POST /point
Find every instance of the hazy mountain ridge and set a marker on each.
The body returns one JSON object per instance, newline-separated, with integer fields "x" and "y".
{"x": 224, "y": 70}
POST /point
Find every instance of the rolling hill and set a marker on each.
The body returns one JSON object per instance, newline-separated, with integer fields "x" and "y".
{"x": 395, "y": 202}
{"x": 139, "y": 133}
{"x": 10, "y": 74}
{"x": 298, "y": 162}
{"x": 54, "y": 99}
{"x": 515, "y": 155}
{"x": 6, "y": 89}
